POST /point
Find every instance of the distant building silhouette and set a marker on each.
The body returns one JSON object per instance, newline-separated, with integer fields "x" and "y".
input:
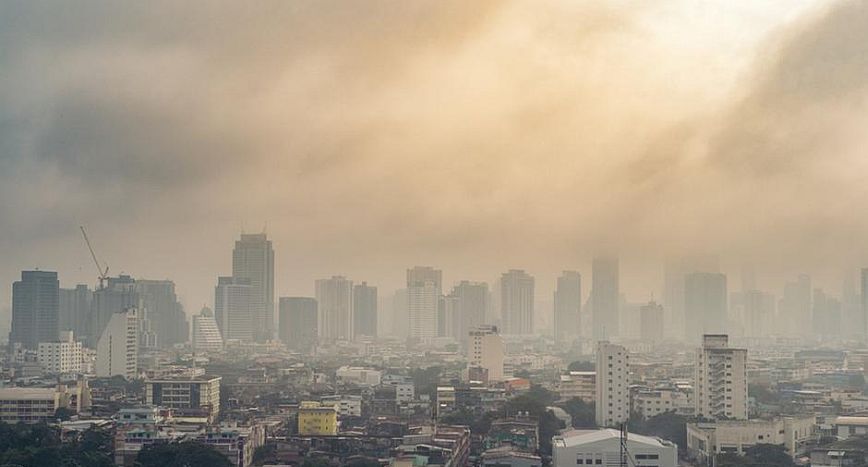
{"x": 35, "y": 309}
{"x": 652, "y": 320}
{"x": 298, "y": 322}
{"x": 335, "y": 300}
{"x": 517, "y": 302}
{"x": 424, "y": 288}
{"x": 364, "y": 310}
{"x": 705, "y": 304}
{"x": 233, "y": 308}
{"x": 75, "y": 308}
{"x": 567, "y": 306}
{"x": 253, "y": 258}
{"x": 605, "y": 297}
{"x": 206, "y": 334}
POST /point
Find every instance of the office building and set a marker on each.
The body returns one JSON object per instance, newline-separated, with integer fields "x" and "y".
{"x": 605, "y": 297}
{"x": 485, "y": 351}
{"x": 612, "y": 384}
{"x": 62, "y": 356}
{"x": 75, "y": 306}
{"x": 364, "y": 310}
{"x": 424, "y": 288}
{"x": 705, "y": 304}
{"x": 117, "y": 349}
{"x": 233, "y": 308}
{"x": 720, "y": 382}
{"x": 335, "y": 301}
{"x": 298, "y": 322}
{"x": 517, "y": 302}
{"x": 567, "y": 306}
{"x": 651, "y": 320}
{"x": 194, "y": 396}
{"x": 603, "y": 447}
{"x": 35, "y": 309}
{"x": 206, "y": 334}
{"x": 253, "y": 259}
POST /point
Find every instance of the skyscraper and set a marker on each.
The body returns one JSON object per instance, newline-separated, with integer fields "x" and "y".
{"x": 705, "y": 300}
{"x": 35, "y": 309}
{"x": 651, "y": 317}
{"x": 253, "y": 258}
{"x": 160, "y": 305}
{"x": 365, "y": 310}
{"x": 206, "y": 334}
{"x": 613, "y": 392}
{"x": 516, "y": 302}
{"x": 605, "y": 292}
{"x": 298, "y": 322}
{"x": 75, "y": 308}
{"x": 118, "y": 294}
{"x": 335, "y": 299}
{"x": 233, "y": 308}
{"x": 567, "y": 306}
{"x": 424, "y": 287}
{"x": 794, "y": 309}
{"x": 469, "y": 301}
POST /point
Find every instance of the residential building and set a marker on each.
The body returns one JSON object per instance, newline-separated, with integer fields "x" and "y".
{"x": 517, "y": 302}
{"x": 237, "y": 443}
{"x": 486, "y": 351}
{"x": 578, "y": 384}
{"x": 612, "y": 385}
{"x": 364, "y": 310}
{"x": 119, "y": 294}
{"x": 62, "y": 356}
{"x": 470, "y": 301}
{"x": 652, "y": 402}
{"x": 314, "y": 419}
{"x": 605, "y": 297}
{"x": 567, "y": 306}
{"x": 194, "y": 396}
{"x": 424, "y": 288}
{"x": 233, "y": 308}
{"x": 35, "y": 309}
{"x": 335, "y": 301}
{"x": 720, "y": 379}
{"x": 603, "y": 447}
{"x": 117, "y": 350}
{"x": 206, "y": 333}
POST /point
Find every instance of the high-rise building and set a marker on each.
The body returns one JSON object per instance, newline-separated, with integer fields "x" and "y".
{"x": 118, "y": 295}
{"x": 424, "y": 288}
{"x": 206, "y": 335}
{"x": 605, "y": 297}
{"x": 794, "y": 309}
{"x": 517, "y": 302}
{"x": 117, "y": 350}
{"x": 568, "y": 306}
{"x": 864, "y": 299}
{"x": 720, "y": 382}
{"x": 62, "y": 356}
{"x": 827, "y": 315}
{"x": 675, "y": 271}
{"x": 74, "y": 310}
{"x": 335, "y": 299}
{"x": 759, "y": 313}
{"x": 485, "y": 352}
{"x": 613, "y": 385}
{"x": 253, "y": 258}
{"x": 651, "y": 317}
{"x": 364, "y": 310}
{"x": 469, "y": 302}
{"x": 705, "y": 304}
{"x": 298, "y": 322}
{"x": 35, "y": 309}
{"x": 233, "y": 308}
{"x": 165, "y": 314}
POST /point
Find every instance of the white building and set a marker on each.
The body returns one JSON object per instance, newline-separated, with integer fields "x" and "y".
{"x": 61, "y": 357}
{"x": 36, "y": 405}
{"x": 233, "y": 308}
{"x": 603, "y": 448}
{"x": 335, "y": 299}
{"x": 424, "y": 287}
{"x": 117, "y": 350}
{"x": 358, "y": 376}
{"x": 197, "y": 396}
{"x": 612, "y": 385}
{"x": 846, "y": 427}
{"x": 735, "y": 436}
{"x": 720, "y": 379}
{"x": 206, "y": 334}
{"x": 578, "y": 384}
{"x": 346, "y": 405}
{"x": 651, "y": 402}
{"x": 486, "y": 351}
{"x": 517, "y": 302}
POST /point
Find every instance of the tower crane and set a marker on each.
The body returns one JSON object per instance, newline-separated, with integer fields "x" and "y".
{"x": 102, "y": 273}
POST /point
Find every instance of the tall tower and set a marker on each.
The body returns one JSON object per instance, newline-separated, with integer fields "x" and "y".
{"x": 613, "y": 385}
{"x": 568, "y": 306}
{"x": 705, "y": 307}
{"x": 720, "y": 382}
{"x": 253, "y": 259}
{"x": 605, "y": 292}
{"x": 232, "y": 308}
{"x": 298, "y": 322}
{"x": 470, "y": 302}
{"x": 35, "y": 309}
{"x": 516, "y": 302}
{"x": 365, "y": 310}
{"x": 335, "y": 299}
{"x": 424, "y": 288}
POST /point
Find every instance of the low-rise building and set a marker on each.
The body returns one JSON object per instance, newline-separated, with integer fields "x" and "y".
{"x": 314, "y": 419}
{"x": 578, "y": 384}
{"x": 37, "y": 405}
{"x": 237, "y": 443}
{"x": 603, "y": 447}
{"x": 196, "y": 396}
{"x": 651, "y": 402}
{"x": 734, "y": 436}
{"x": 358, "y": 376}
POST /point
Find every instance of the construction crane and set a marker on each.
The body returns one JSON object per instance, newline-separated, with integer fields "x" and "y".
{"x": 102, "y": 273}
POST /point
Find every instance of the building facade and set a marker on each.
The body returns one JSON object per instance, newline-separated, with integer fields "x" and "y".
{"x": 486, "y": 351}
{"x": 206, "y": 335}
{"x": 35, "y": 309}
{"x": 612, "y": 385}
{"x": 517, "y": 302}
{"x": 364, "y": 310}
{"x": 335, "y": 301}
{"x": 568, "y": 306}
{"x": 605, "y": 297}
{"x": 720, "y": 381}
{"x": 253, "y": 259}
{"x": 117, "y": 350}
{"x": 233, "y": 308}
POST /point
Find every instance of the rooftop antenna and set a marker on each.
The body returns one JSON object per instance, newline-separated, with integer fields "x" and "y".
{"x": 102, "y": 273}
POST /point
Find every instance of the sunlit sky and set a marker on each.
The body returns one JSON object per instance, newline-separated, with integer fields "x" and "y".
{"x": 471, "y": 136}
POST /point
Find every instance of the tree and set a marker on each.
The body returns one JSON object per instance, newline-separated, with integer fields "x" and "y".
{"x": 765, "y": 455}
{"x": 667, "y": 425}
{"x": 581, "y": 365}
{"x": 63, "y": 414}
{"x": 583, "y": 413}
{"x": 183, "y": 454}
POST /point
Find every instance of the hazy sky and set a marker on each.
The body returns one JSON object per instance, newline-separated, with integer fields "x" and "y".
{"x": 472, "y": 136}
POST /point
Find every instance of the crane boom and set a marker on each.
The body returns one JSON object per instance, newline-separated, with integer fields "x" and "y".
{"x": 103, "y": 274}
